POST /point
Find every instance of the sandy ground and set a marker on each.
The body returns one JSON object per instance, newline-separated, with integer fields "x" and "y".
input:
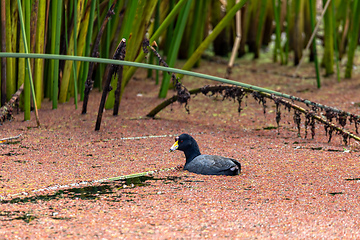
{"x": 289, "y": 188}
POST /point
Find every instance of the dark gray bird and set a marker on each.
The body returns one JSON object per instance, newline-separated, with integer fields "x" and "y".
{"x": 204, "y": 164}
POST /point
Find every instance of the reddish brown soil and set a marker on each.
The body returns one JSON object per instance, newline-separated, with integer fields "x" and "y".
{"x": 290, "y": 187}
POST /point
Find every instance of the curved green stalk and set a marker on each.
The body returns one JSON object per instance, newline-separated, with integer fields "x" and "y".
{"x": 165, "y": 69}
{"x": 31, "y": 84}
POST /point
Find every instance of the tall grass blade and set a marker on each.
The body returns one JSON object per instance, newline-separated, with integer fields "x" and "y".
{"x": 335, "y": 41}
{"x": 174, "y": 46}
{"x": 170, "y": 29}
{"x": 64, "y": 87}
{"x": 287, "y": 30}
{"x": 219, "y": 27}
{"x": 25, "y": 39}
{"x": 28, "y": 75}
{"x": 3, "y": 49}
{"x": 156, "y": 26}
{"x": 328, "y": 57}
{"x": 87, "y": 48}
{"x": 144, "y": 11}
{"x": 55, "y": 41}
{"x": 10, "y": 47}
{"x": 169, "y": 19}
{"x": 353, "y": 37}
{"x": 75, "y": 51}
{"x": 39, "y": 63}
{"x": 316, "y": 61}
{"x": 197, "y": 17}
{"x": 259, "y": 34}
{"x": 277, "y": 48}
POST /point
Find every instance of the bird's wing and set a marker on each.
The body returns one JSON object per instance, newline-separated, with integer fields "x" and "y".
{"x": 212, "y": 164}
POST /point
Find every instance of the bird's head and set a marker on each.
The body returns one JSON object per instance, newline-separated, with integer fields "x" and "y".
{"x": 184, "y": 142}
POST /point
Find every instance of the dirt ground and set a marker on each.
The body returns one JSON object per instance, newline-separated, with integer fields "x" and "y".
{"x": 290, "y": 187}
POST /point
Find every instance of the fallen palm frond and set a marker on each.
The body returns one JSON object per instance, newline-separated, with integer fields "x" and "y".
{"x": 23, "y": 196}
{"x": 237, "y": 93}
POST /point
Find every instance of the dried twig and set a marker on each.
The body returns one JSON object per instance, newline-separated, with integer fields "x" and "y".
{"x": 7, "y": 110}
{"x": 9, "y": 138}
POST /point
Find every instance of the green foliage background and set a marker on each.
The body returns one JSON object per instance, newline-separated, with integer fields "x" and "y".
{"x": 181, "y": 29}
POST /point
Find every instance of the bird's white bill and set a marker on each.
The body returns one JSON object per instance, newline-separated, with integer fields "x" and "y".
{"x": 174, "y": 147}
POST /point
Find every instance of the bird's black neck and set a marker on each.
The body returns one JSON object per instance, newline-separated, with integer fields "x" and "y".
{"x": 192, "y": 153}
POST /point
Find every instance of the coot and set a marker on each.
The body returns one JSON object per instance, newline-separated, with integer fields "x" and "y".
{"x": 204, "y": 164}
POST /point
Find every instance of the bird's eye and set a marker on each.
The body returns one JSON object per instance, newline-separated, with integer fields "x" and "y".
{"x": 181, "y": 141}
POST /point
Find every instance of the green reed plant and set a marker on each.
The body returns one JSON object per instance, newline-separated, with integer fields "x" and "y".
{"x": 312, "y": 21}
{"x": 353, "y": 37}
{"x": 28, "y": 79}
{"x": 65, "y": 82}
{"x": 277, "y": 48}
{"x": 336, "y": 49}
{"x": 175, "y": 45}
{"x": 328, "y": 57}
{"x": 39, "y": 48}
{"x": 137, "y": 29}
{"x": 89, "y": 35}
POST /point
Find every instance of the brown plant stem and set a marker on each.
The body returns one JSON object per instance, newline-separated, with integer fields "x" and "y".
{"x": 118, "y": 69}
{"x": 110, "y": 70}
{"x": 89, "y": 82}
